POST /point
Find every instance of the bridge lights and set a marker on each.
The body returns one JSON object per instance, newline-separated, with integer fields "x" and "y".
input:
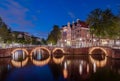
{"x": 80, "y": 43}
{"x": 94, "y": 40}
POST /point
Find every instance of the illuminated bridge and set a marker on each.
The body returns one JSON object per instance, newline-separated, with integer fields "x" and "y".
{"x": 51, "y": 50}
{"x": 30, "y": 50}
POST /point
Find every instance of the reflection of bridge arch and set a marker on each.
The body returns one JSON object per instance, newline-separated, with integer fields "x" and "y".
{"x": 95, "y": 48}
{"x": 58, "y": 60}
{"x": 40, "y": 63}
{"x": 98, "y": 63}
{"x": 23, "y": 49}
{"x": 55, "y": 49}
{"x": 44, "y": 48}
{"x": 19, "y": 64}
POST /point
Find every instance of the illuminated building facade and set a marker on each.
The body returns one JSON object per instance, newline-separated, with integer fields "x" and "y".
{"x": 75, "y": 34}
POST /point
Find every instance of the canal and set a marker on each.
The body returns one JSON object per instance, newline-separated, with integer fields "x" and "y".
{"x": 58, "y": 67}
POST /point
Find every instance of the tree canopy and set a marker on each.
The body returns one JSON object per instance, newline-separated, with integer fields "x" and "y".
{"x": 5, "y": 32}
{"x": 54, "y": 35}
{"x": 103, "y": 23}
{"x": 8, "y": 36}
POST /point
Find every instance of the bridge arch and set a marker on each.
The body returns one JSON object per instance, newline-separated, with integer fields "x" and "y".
{"x": 44, "y": 48}
{"x": 100, "y": 48}
{"x": 23, "y": 49}
{"x": 55, "y": 49}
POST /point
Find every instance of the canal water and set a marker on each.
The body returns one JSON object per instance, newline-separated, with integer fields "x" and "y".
{"x": 58, "y": 67}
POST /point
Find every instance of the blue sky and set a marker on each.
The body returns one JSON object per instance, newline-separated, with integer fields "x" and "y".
{"x": 38, "y": 16}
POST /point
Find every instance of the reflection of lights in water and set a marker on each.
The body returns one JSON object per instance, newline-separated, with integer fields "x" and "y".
{"x": 68, "y": 62}
{"x": 88, "y": 68}
{"x": 18, "y": 54}
{"x": 19, "y": 64}
{"x": 8, "y": 66}
{"x": 94, "y": 67}
{"x": 58, "y": 60}
{"x": 39, "y": 57}
{"x": 40, "y": 63}
{"x": 80, "y": 69}
{"x": 98, "y": 63}
{"x": 65, "y": 73}
{"x": 81, "y": 62}
{"x": 40, "y": 48}
{"x": 38, "y": 54}
{"x": 15, "y": 55}
{"x": 23, "y": 54}
{"x": 65, "y": 65}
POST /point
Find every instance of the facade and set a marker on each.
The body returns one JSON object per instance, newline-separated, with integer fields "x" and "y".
{"x": 75, "y": 34}
{"x": 65, "y": 35}
{"x": 25, "y": 36}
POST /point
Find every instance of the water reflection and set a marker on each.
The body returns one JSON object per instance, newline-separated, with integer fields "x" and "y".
{"x": 97, "y": 61}
{"x": 60, "y": 68}
{"x": 40, "y": 62}
{"x": 65, "y": 71}
{"x": 19, "y": 58}
{"x": 58, "y": 58}
{"x": 19, "y": 64}
{"x": 40, "y": 58}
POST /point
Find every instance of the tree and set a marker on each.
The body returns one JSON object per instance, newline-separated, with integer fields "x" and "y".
{"x": 117, "y": 27}
{"x": 102, "y": 23}
{"x": 5, "y": 32}
{"x": 43, "y": 41}
{"x": 54, "y": 35}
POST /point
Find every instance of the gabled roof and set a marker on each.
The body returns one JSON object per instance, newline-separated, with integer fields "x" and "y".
{"x": 82, "y": 23}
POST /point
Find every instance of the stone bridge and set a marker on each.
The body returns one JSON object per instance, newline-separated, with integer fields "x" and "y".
{"x": 29, "y": 50}
{"x": 109, "y": 52}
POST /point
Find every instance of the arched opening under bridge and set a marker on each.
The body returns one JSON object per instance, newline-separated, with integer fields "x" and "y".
{"x": 40, "y": 50}
{"x": 58, "y": 51}
{"x": 19, "y": 54}
{"x": 98, "y": 50}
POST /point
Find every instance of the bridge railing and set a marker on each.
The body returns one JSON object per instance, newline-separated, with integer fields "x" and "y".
{"x": 5, "y": 46}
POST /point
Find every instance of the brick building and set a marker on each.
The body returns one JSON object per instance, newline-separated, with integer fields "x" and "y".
{"x": 75, "y": 34}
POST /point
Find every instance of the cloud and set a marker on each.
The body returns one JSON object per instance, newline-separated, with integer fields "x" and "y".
{"x": 71, "y": 15}
{"x": 13, "y": 12}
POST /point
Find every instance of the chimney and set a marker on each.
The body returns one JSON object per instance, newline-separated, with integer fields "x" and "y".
{"x": 68, "y": 24}
{"x": 73, "y": 24}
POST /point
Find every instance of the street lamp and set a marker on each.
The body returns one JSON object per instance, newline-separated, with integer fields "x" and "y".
{"x": 80, "y": 44}
{"x": 94, "y": 41}
{"x": 65, "y": 42}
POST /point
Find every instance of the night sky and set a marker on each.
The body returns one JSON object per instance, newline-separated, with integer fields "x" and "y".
{"x": 37, "y": 17}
